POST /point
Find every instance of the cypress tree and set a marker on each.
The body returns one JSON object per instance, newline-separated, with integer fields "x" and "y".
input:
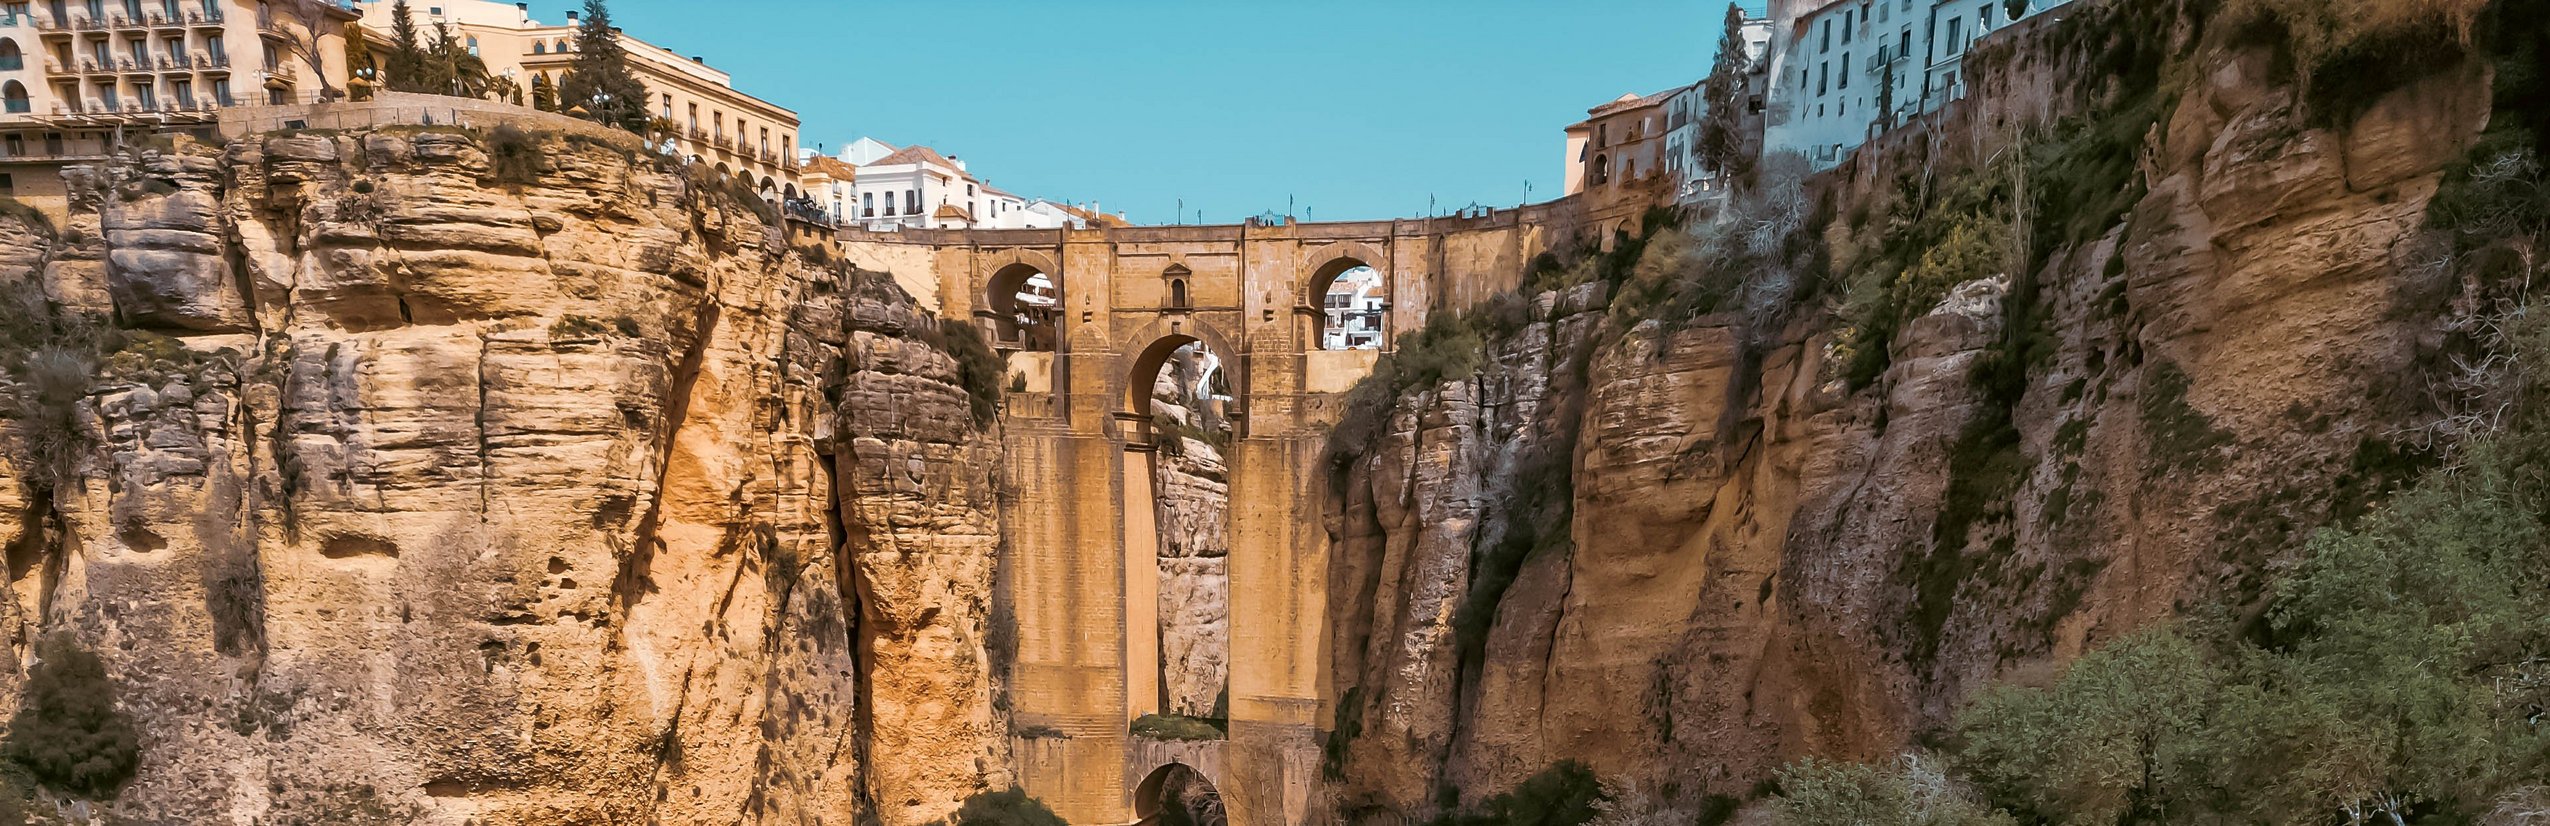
{"x": 544, "y": 95}
{"x": 599, "y": 80}
{"x": 1722, "y": 140}
{"x": 406, "y": 69}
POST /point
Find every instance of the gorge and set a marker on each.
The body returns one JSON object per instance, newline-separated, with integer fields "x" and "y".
{"x": 514, "y": 475}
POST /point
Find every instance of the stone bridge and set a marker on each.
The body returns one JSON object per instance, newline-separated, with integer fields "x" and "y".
{"x": 1080, "y": 576}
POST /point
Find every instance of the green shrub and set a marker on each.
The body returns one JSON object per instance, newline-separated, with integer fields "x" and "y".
{"x": 1179, "y": 727}
{"x": 68, "y": 732}
{"x": 33, "y": 218}
{"x": 514, "y": 156}
{"x": 1913, "y": 791}
{"x": 978, "y": 369}
{"x": 1564, "y": 794}
{"x": 573, "y": 326}
{"x": 1011, "y": 807}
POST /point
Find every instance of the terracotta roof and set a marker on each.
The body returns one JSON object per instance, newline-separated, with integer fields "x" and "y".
{"x": 952, "y": 212}
{"x": 916, "y": 154}
{"x": 836, "y": 168}
{"x": 1633, "y": 101}
{"x": 1095, "y": 219}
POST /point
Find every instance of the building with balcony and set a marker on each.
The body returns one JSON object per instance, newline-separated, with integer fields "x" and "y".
{"x": 1617, "y": 154}
{"x": 1848, "y": 70}
{"x": 713, "y": 123}
{"x": 78, "y": 75}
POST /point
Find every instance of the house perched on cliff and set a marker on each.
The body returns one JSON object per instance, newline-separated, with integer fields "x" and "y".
{"x": 1847, "y": 70}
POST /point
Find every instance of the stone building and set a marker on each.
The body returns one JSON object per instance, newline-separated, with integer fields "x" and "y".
{"x": 916, "y": 187}
{"x": 714, "y": 123}
{"x": 1617, "y": 154}
{"x": 78, "y": 76}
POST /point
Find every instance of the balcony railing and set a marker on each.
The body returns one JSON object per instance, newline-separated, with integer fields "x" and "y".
{"x": 197, "y": 18}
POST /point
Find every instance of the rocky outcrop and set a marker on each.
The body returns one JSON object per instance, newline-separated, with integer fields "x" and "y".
{"x": 1760, "y": 561}
{"x": 419, "y": 495}
{"x": 1194, "y": 518}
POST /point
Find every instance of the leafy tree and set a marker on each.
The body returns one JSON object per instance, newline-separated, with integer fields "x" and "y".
{"x": 2122, "y": 737}
{"x": 1011, "y": 807}
{"x": 599, "y": 80}
{"x": 1914, "y": 791}
{"x": 451, "y": 70}
{"x": 68, "y": 733}
{"x": 1724, "y": 148}
{"x": 358, "y": 56}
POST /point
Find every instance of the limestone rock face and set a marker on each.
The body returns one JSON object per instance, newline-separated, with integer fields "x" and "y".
{"x": 1756, "y": 566}
{"x": 415, "y": 496}
{"x": 1193, "y": 516}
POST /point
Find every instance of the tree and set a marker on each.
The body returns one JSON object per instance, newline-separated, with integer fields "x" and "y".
{"x": 69, "y": 733}
{"x": 544, "y": 95}
{"x": 406, "y": 69}
{"x": 599, "y": 79}
{"x": 2122, "y": 737}
{"x": 451, "y": 70}
{"x": 303, "y": 40}
{"x": 1914, "y": 791}
{"x": 1724, "y": 148}
{"x": 358, "y": 60}
{"x": 1005, "y": 808}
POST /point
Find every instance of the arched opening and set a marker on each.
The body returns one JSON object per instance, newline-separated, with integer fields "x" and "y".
{"x": 1354, "y": 303}
{"x": 15, "y": 95}
{"x": 1601, "y": 170}
{"x": 1185, "y": 405}
{"x": 1025, "y": 309}
{"x": 1177, "y": 294}
{"x": 1178, "y": 795}
{"x": 11, "y": 59}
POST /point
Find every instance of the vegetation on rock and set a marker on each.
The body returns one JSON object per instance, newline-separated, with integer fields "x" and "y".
{"x": 1008, "y": 807}
{"x": 68, "y": 732}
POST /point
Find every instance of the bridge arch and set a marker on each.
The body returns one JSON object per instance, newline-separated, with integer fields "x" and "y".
{"x": 1022, "y": 301}
{"x": 1336, "y": 261}
{"x": 1151, "y": 347}
{"x": 1152, "y": 798}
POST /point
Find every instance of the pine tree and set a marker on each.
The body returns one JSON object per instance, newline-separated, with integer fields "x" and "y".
{"x": 1722, "y": 141}
{"x": 358, "y": 59}
{"x": 599, "y": 80}
{"x": 544, "y": 95}
{"x": 406, "y": 69}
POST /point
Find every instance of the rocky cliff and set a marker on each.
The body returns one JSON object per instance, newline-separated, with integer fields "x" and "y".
{"x": 1762, "y": 552}
{"x": 437, "y": 476}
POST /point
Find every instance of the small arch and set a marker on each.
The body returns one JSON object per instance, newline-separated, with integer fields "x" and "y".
{"x": 1182, "y": 784}
{"x": 1025, "y": 308}
{"x": 1601, "y": 171}
{"x": 11, "y": 59}
{"x": 1177, "y": 275}
{"x": 1150, "y": 347}
{"x": 768, "y": 185}
{"x": 15, "y": 95}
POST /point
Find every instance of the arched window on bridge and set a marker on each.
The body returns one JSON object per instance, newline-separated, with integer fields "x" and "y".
{"x": 1600, "y": 173}
{"x": 1354, "y": 306}
{"x": 1024, "y": 308}
{"x": 1177, "y": 275}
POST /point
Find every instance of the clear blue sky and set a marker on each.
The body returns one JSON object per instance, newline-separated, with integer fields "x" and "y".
{"x": 1357, "y": 108}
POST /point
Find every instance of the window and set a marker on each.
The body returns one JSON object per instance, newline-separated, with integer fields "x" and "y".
{"x": 1956, "y": 33}
{"x": 912, "y": 202}
{"x": 1177, "y": 292}
{"x": 539, "y": 47}
{"x": 1982, "y": 18}
{"x": 185, "y": 91}
{"x": 1847, "y": 26}
{"x": 1823, "y": 78}
{"x": 1905, "y": 50}
{"x": 473, "y": 45}
{"x": 176, "y": 49}
{"x": 141, "y": 53}
{"x": 15, "y": 96}
{"x": 147, "y": 97}
{"x": 1828, "y": 36}
{"x": 889, "y": 204}
{"x": 1846, "y": 71}
{"x": 221, "y": 91}
{"x": 212, "y": 46}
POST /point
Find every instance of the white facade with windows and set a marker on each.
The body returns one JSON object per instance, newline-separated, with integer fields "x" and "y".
{"x": 916, "y": 187}
{"x": 1849, "y": 69}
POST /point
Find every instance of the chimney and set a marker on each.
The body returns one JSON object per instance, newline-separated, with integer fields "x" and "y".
{"x": 571, "y": 18}
{"x": 699, "y": 60}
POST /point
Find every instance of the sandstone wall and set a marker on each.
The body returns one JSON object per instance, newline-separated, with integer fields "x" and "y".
{"x": 415, "y": 495}
{"x": 1753, "y": 571}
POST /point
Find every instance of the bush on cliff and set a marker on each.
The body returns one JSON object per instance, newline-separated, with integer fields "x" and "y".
{"x": 1011, "y": 807}
{"x": 68, "y": 732}
{"x": 1565, "y": 794}
{"x": 1912, "y": 791}
{"x": 978, "y": 369}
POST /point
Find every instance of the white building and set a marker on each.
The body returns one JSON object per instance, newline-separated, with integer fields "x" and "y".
{"x": 916, "y": 187}
{"x": 1356, "y": 303}
{"x": 1846, "y": 70}
{"x": 1688, "y": 107}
